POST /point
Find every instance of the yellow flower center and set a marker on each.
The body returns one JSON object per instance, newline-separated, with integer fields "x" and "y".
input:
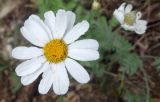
{"x": 55, "y": 51}
{"x": 130, "y": 18}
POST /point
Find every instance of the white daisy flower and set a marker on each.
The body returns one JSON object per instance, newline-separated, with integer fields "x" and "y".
{"x": 55, "y": 51}
{"x": 130, "y": 20}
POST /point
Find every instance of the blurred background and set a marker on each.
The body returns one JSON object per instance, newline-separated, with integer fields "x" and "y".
{"x": 128, "y": 70}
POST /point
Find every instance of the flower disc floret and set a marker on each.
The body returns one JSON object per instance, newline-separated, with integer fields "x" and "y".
{"x": 130, "y": 18}
{"x": 55, "y": 51}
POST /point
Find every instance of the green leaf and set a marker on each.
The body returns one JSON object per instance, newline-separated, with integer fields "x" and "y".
{"x": 60, "y": 99}
{"x": 54, "y": 5}
{"x": 131, "y": 97}
{"x": 130, "y": 63}
{"x": 113, "y": 22}
{"x": 156, "y": 63}
{"x": 16, "y": 85}
{"x": 121, "y": 44}
{"x": 97, "y": 68}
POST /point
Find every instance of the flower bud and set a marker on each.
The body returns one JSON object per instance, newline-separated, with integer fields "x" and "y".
{"x": 96, "y": 5}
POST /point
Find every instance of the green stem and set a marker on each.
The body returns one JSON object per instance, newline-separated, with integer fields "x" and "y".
{"x": 147, "y": 84}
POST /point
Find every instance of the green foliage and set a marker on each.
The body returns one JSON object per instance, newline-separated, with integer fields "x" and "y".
{"x": 46, "y": 5}
{"x": 3, "y": 64}
{"x": 132, "y": 97}
{"x": 156, "y": 63}
{"x": 60, "y": 99}
{"x": 129, "y": 63}
{"x": 121, "y": 45}
{"x": 16, "y": 83}
{"x": 97, "y": 68}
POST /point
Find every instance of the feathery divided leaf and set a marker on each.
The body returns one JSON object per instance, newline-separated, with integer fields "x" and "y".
{"x": 156, "y": 63}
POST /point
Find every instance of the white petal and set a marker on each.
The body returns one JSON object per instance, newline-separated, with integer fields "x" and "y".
{"x": 83, "y": 54}
{"x": 140, "y": 26}
{"x": 141, "y": 22}
{"x": 77, "y": 71}
{"x": 84, "y": 44}
{"x": 128, "y": 8}
{"x": 46, "y": 81}
{"x": 30, "y": 37}
{"x": 122, "y": 7}
{"x": 29, "y": 66}
{"x": 71, "y": 17}
{"x": 60, "y": 24}
{"x": 119, "y": 16}
{"x": 119, "y": 13}
{"x": 61, "y": 80}
{"x": 141, "y": 30}
{"x": 35, "y": 26}
{"x": 50, "y": 21}
{"x": 128, "y": 27}
{"x": 43, "y": 26}
{"x": 26, "y": 52}
{"x": 78, "y": 30}
{"x": 28, "y": 79}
